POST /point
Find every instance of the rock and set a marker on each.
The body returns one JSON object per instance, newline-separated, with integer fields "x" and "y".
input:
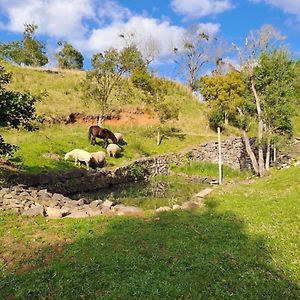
{"x": 7, "y": 196}
{"x": 176, "y": 206}
{"x": 189, "y": 205}
{"x": 93, "y": 212}
{"x": 163, "y": 208}
{"x": 130, "y": 210}
{"x": 77, "y": 214}
{"x": 57, "y": 196}
{"x": 56, "y": 213}
{"x": 95, "y": 204}
{"x": 204, "y": 193}
{"x": 34, "y": 211}
{"x": 80, "y": 202}
{"x": 118, "y": 206}
{"x": 107, "y": 204}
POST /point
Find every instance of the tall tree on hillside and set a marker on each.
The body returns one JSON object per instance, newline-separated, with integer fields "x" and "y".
{"x": 16, "y": 109}
{"x": 155, "y": 91}
{"x": 192, "y": 55}
{"x": 106, "y": 74}
{"x": 224, "y": 93}
{"x": 256, "y": 60}
{"x": 148, "y": 46}
{"x": 29, "y": 51}
{"x": 68, "y": 57}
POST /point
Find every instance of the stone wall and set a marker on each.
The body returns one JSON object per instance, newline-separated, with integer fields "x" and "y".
{"x": 79, "y": 180}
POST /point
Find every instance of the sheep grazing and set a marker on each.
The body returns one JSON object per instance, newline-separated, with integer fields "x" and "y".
{"x": 80, "y": 156}
{"x": 98, "y": 158}
{"x": 113, "y": 150}
{"x": 119, "y": 137}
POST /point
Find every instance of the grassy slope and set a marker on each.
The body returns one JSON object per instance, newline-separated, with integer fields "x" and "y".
{"x": 243, "y": 245}
{"x": 64, "y": 98}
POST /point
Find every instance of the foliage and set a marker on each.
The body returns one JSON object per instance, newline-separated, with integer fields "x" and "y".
{"x": 16, "y": 109}
{"x": 224, "y": 93}
{"x": 103, "y": 79}
{"x": 29, "y": 51}
{"x": 210, "y": 169}
{"x": 137, "y": 171}
{"x": 274, "y": 78}
{"x": 69, "y": 58}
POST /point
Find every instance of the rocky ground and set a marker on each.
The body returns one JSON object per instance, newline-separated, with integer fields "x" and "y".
{"x": 34, "y": 202}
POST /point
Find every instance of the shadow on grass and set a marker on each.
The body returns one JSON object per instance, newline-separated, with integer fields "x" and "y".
{"x": 181, "y": 255}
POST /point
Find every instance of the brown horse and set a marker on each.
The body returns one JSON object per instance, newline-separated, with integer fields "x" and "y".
{"x": 102, "y": 133}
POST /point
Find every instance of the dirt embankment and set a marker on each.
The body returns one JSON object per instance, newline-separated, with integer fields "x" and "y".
{"x": 122, "y": 118}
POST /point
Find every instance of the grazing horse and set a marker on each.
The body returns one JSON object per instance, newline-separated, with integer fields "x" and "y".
{"x": 102, "y": 133}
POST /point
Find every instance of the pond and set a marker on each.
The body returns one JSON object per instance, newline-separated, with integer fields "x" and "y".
{"x": 151, "y": 194}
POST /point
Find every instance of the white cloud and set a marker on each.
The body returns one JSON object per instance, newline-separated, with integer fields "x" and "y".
{"x": 92, "y": 25}
{"x": 56, "y": 18}
{"x": 288, "y": 6}
{"x": 194, "y": 9}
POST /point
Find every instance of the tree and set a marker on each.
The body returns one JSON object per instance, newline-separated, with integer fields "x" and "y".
{"x": 155, "y": 96}
{"x": 148, "y": 46}
{"x": 223, "y": 93}
{"x": 68, "y": 57}
{"x": 106, "y": 75}
{"x": 256, "y": 61}
{"x": 28, "y": 51}
{"x": 16, "y": 109}
{"x": 192, "y": 55}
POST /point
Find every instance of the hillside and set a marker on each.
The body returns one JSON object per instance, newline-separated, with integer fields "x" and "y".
{"x": 129, "y": 116}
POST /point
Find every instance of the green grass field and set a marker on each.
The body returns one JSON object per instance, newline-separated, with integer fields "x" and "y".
{"x": 243, "y": 245}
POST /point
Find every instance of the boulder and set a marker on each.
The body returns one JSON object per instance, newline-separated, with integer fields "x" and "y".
{"x": 204, "y": 193}
{"x": 34, "y": 211}
{"x": 163, "y": 208}
{"x": 56, "y": 213}
{"x": 130, "y": 210}
{"x": 189, "y": 205}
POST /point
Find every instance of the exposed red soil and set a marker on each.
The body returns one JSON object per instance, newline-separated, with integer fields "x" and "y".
{"x": 123, "y": 118}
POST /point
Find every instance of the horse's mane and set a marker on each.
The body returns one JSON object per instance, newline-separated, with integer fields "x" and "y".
{"x": 111, "y": 135}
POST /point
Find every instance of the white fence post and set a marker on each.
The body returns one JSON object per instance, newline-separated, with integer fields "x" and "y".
{"x": 220, "y": 156}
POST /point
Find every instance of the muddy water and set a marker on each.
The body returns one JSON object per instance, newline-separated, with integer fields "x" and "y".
{"x": 156, "y": 192}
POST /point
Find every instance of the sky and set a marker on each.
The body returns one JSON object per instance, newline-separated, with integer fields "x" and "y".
{"x": 93, "y": 26}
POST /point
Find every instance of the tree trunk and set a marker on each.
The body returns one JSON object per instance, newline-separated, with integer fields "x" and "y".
{"x": 226, "y": 118}
{"x": 100, "y": 120}
{"x": 158, "y": 138}
{"x": 251, "y": 153}
{"x": 268, "y": 154}
{"x": 261, "y": 165}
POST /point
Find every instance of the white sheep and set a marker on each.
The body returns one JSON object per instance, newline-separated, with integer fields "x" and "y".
{"x": 113, "y": 150}
{"x": 98, "y": 157}
{"x": 119, "y": 137}
{"x": 81, "y": 156}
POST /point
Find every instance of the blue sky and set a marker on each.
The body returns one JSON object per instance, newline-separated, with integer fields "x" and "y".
{"x": 94, "y": 25}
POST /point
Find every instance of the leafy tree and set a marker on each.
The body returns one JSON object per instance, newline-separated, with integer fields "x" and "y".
{"x": 16, "y": 109}
{"x": 224, "y": 93}
{"x": 28, "y": 51}
{"x": 192, "y": 55}
{"x": 69, "y": 58}
{"x": 106, "y": 75}
{"x": 274, "y": 77}
{"x": 155, "y": 91}
{"x": 257, "y": 59}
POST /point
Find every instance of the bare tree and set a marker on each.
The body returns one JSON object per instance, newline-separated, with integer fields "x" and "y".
{"x": 192, "y": 55}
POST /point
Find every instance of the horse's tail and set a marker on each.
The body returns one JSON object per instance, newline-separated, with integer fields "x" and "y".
{"x": 89, "y": 133}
